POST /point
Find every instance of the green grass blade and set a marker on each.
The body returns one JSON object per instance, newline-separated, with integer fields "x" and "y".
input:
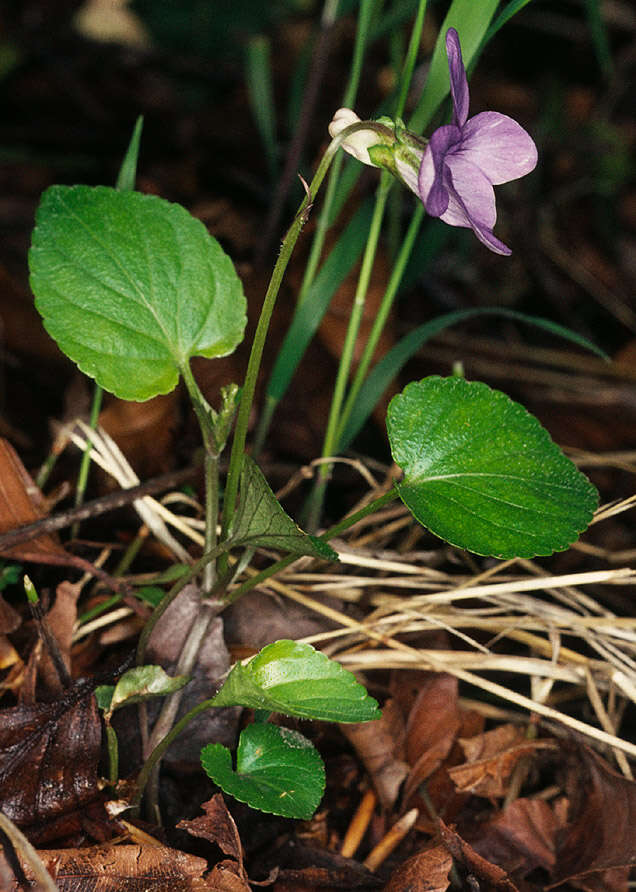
{"x": 600, "y": 41}
{"x": 258, "y": 79}
{"x": 128, "y": 170}
{"x": 504, "y": 16}
{"x": 390, "y": 365}
{"x": 471, "y": 19}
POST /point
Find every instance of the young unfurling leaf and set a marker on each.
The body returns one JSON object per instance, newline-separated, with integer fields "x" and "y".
{"x": 295, "y": 679}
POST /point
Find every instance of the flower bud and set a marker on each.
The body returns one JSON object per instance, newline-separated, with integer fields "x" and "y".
{"x": 382, "y": 143}
{"x": 360, "y": 141}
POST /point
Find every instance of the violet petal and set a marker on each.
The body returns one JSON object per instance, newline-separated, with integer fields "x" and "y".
{"x": 477, "y": 205}
{"x": 499, "y": 146}
{"x": 483, "y": 232}
{"x": 431, "y": 185}
{"x": 458, "y": 79}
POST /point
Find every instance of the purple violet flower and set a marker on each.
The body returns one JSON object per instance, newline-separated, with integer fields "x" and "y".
{"x": 465, "y": 159}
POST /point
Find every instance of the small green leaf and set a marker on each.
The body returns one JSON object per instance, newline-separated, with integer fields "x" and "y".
{"x": 131, "y": 286}
{"x": 152, "y": 594}
{"x": 261, "y": 520}
{"x": 141, "y": 683}
{"x": 104, "y": 696}
{"x": 9, "y": 574}
{"x": 295, "y": 679}
{"x": 277, "y": 771}
{"x": 481, "y": 472}
{"x": 173, "y": 572}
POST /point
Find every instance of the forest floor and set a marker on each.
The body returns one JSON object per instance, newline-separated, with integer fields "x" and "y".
{"x": 505, "y": 754}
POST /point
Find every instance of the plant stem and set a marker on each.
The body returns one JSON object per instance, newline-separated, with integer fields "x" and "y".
{"x": 330, "y": 445}
{"x": 337, "y": 420}
{"x": 82, "y": 477}
{"x": 165, "y": 733}
{"x": 206, "y": 612}
{"x": 162, "y": 746}
{"x": 411, "y": 58}
{"x": 211, "y": 471}
{"x": 362, "y": 33}
{"x": 356, "y": 316}
{"x": 185, "y": 664}
{"x": 211, "y": 467}
{"x": 258, "y": 344}
{"x": 380, "y": 319}
{"x": 113, "y": 754}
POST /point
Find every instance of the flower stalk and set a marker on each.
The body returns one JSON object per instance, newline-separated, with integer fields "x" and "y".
{"x": 258, "y": 344}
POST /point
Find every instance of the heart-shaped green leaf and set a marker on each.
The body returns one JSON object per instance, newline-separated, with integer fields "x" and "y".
{"x": 481, "y": 472}
{"x": 262, "y": 520}
{"x": 277, "y": 771}
{"x": 295, "y": 679}
{"x": 131, "y": 286}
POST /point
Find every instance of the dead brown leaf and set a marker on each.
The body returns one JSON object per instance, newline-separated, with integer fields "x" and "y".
{"x": 432, "y": 729}
{"x": 136, "y": 868}
{"x": 599, "y": 835}
{"x": 492, "y": 743}
{"x": 616, "y": 880}
{"x": 21, "y": 502}
{"x": 224, "y": 878}
{"x": 48, "y": 756}
{"x": 164, "y": 647}
{"x": 380, "y": 746}
{"x": 10, "y": 619}
{"x": 61, "y": 620}
{"x": 520, "y": 838}
{"x": 491, "y": 759}
{"x": 218, "y": 826}
{"x": 489, "y": 876}
{"x": 424, "y": 872}
{"x": 144, "y": 431}
{"x": 263, "y": 618}
{"x": 434, "y": 721}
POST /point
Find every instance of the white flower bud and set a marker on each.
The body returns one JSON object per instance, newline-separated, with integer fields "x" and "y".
{"x": 359, "y": 143}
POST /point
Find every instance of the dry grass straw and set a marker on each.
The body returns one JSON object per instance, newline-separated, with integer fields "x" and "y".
{"x": 551, "y": 635}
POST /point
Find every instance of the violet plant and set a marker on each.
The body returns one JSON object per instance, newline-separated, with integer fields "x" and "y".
{"x": 132, "y": 287}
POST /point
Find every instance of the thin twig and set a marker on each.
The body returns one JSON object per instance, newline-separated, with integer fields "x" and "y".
{"x": 95, "y": 508}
